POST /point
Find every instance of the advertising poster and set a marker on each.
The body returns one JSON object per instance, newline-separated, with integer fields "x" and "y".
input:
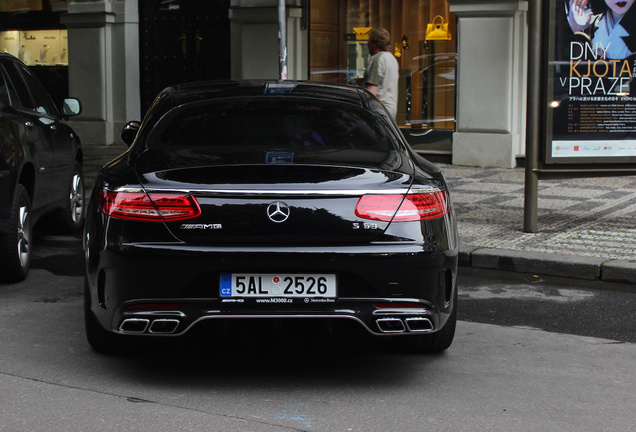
{"x": 593, "y": 100}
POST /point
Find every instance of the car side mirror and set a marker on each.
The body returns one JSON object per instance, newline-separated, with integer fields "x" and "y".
{"x": 129, "y": 132}
{"x": 71, "y": 107}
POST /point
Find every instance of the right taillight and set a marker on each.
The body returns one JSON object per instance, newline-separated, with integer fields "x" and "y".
{"x": 148, "y": 207}
{"x": 399, "y": 208}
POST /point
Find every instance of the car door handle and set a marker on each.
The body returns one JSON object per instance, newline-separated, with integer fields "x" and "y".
{"x": 29, "y": 125}
{"x": 53, "y": 127}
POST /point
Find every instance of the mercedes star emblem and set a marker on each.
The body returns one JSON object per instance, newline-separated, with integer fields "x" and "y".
{"x": 278, "y": 211}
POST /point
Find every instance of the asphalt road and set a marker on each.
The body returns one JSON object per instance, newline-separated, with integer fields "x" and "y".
{"x": 524, "y": 359}
{"x": 576, "y": 307}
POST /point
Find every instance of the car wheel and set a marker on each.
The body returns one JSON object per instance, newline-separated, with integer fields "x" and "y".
{"x": 430, "y": 343}
{"x": 70, "y": 219}
{"x": 99, "y": 339}
{"x": 15, "y": 245}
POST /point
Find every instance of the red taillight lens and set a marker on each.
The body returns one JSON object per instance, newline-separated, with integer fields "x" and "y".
{"x": 400, "y": 208}
{"x": 148, "y": 207}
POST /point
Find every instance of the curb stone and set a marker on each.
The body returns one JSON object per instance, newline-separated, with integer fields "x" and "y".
{"x": 535, "y": 262}
{"x": 620, "y": 271}
{"x": 565, "y": 266}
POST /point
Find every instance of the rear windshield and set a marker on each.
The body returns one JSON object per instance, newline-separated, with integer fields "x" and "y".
{"x": 273, "y": 131}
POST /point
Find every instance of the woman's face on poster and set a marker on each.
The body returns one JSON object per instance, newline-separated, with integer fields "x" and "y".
{"x": 619, "y": 7}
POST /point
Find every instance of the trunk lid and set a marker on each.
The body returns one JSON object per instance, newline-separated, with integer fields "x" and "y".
{"x": 278, "y": 204}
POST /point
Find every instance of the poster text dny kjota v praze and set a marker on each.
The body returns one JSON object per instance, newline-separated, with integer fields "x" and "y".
{"x": 594, "y": 93}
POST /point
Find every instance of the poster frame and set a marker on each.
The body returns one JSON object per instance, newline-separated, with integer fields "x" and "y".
{"x": 537, "y": 137}
{"x": 549, "y": 165}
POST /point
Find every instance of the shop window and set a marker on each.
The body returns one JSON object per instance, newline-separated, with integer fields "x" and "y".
{"x": 339, "y": 53}
{"x": 33, "y": 5}
{"x": 46, "y": 54}
{"x": 36, "y": 47}
{"x": 31, "y": 31}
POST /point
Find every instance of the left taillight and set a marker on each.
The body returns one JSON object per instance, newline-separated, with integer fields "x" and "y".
{"x": 148, "y": 207}
{"x": 400, "y": 208}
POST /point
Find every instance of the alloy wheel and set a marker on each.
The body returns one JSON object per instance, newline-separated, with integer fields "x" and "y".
{"x": 76, "y": 198}
{"x": 23, "y": 234}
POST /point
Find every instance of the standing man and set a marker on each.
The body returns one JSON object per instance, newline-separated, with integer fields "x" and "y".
{"x": 382, "y": 73}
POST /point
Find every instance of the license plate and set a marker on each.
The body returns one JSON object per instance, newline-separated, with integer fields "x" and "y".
{"x": 278, "y": 285}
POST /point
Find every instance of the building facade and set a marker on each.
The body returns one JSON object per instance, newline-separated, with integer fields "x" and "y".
{"x": 462, "y": 62}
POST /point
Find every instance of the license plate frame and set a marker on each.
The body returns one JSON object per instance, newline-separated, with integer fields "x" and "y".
{"x": 277, "y": 285}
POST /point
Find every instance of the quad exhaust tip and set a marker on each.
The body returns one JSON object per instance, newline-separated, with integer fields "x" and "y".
{"x": 134, "y": 325}
{"x": 143, "y": 325}
{"x": 412, "y": 324}
{"x": 419, "y": 324}
{"x": 391, "y": 325}
{"x": 164, "y": 326}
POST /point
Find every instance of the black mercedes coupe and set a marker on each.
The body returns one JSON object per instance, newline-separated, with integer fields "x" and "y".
{"x": 256, "y": 201}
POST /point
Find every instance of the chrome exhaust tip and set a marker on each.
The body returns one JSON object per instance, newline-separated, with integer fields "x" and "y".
{"x": 134, "y": 325}
{"x": 390, "y": 325}
{"x": 419, "y": 324}
{"x": 164, "y": 326}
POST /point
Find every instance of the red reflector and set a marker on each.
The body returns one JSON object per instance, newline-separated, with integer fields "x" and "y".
{"x": 400, "y": 208}
{"x": 398, "y": 305}
{"x": 154, "y": 306}
{"x": 148, "y": 207}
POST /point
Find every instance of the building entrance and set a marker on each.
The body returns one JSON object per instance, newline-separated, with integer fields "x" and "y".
{"x": 181, "y": 41}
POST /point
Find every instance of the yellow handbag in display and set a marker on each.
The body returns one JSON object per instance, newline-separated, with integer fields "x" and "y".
{"x": 362, "y": 33}
{"x": 438, "y": 29}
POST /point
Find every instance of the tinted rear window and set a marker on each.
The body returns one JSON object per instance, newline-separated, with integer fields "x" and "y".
{"x": 273, "y": 131}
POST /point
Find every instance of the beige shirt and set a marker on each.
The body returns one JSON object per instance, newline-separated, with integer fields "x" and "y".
{"x": 383, "y": 71}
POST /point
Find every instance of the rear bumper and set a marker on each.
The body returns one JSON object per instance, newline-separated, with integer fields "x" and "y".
{"x": 419, "y": 318}
{"x": 167, "y": 289}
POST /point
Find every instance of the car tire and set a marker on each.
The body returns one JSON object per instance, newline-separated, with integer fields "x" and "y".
{"x": 70, "y": 219}
{"x": 99, "y": 339}
{"x": 430, "y": 343}
{"x": 15, "y": 245}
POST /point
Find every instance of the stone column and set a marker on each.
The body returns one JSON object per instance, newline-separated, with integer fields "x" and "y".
{"x": 103, "y": 38}
{"x": 491, "y": 82}
{"x": 254, "y": 32}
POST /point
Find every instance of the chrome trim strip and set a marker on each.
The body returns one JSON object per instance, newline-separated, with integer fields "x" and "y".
{"x": 162, "y": 313}
{"x": 419, "y": 189}
{"x": 263, "y": 192}
{"x": 401, "y": 312}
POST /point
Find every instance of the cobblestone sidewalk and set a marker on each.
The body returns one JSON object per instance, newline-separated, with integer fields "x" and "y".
{"x": 585, "y": 217}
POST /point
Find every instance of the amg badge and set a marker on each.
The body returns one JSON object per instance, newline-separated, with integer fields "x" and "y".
{"x": 200, "y": 226}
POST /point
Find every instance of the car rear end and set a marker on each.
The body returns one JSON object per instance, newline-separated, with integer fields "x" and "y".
{"x": 271, "y": 207}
